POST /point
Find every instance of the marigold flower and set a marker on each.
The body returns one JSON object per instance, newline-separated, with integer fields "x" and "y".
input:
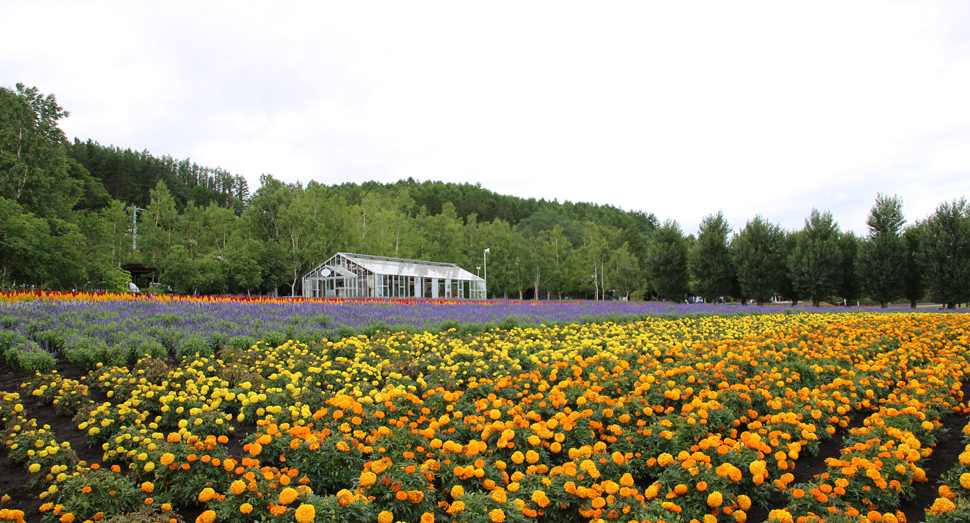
{"x": 965, "y": 480}
{"x": 237, "y": 487}
{"x": 245, "y": 508}
{"x": 206, "y": 517}
{"x": 744, "y": 502}
{"x": 715, "y": 499}
{"x": 497, "y": 516}
{"x": 305, "y": 513}
{"x": 206, "y": 495}
{"x": 367, "y": 479}
{"x": 941, "y": 505}
{"x": 288, "y": 495}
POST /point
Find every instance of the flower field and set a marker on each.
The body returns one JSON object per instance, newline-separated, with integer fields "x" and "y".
{"x": 202, "y": 411}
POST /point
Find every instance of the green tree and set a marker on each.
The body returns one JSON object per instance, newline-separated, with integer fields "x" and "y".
{"x": 211, "y": 274}
{"x": 851, "y": 288}
{"x": 505, "y": 247}
{"x": 23, "y": 239}
{"x": 158, "y": 225}
{"x": 913, "y": 289}
{"x": 625, "y": 273}
{"x": 815, "y": 264}
{"x": 242, "y": 263}
{"x": 710, "y": 259}
{"x": 314, "y": 225}
{"x": 882, "y": 258}
{"x": 944, "y": 253}
{"x": 758, "y": 253}
{"x": 179, "y": 270}
{"x": 442, "y": 236}
{"x": 33, "y": 171}
{"x": 667, "y": 262}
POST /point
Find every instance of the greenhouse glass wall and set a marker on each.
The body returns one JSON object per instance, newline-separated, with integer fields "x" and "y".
{"x": 347, "y": 275}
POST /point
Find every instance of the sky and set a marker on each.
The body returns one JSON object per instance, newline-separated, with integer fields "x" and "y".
{"x": 680, "y": 109}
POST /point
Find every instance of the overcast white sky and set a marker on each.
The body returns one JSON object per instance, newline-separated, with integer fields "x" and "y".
{"x": 676, "y": 108}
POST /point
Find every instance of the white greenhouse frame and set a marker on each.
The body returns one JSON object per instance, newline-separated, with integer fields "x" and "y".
{"x": 347, "y": 275}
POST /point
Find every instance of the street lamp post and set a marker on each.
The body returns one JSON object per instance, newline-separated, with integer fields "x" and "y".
{"x": 485, "y": 263}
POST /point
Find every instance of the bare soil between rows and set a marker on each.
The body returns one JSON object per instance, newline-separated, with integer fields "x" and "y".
{"x": 13, "y": 477}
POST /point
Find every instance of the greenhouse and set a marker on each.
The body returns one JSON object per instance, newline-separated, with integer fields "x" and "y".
{"x": 347, "y": 275}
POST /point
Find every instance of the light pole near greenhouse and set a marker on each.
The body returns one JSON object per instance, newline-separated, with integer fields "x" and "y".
{"x": 485, "y": 263}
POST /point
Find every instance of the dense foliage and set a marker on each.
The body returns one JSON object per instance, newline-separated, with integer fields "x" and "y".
{"x": 72, "y": 213}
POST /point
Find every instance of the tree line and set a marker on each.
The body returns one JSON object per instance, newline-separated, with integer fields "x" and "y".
{"x": 72, "y": 212}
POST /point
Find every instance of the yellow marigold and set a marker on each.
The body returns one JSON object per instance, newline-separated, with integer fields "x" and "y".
{"x": 427, "y": 517}
{"x": 245, "y": 508}
{"x": 415, "y": 496}
{"x": 237, "y": 487}
{"x": 288, "y": 495}
{"x": 965, "y": 480}
{"x": 532, "y": 456}
{"x": 757, "y": 468}
{"x": 305, "y": 513}
{"x": 739, "y": 516}
{"x": 206, "y": 517}
{"x": 206, "y": 495}
{"x": 367, "y": 478}
{"x": 744, "y": 502}
{"x": 965, "y": 457}
{"x": 455, "y": 508}
{"x": 781, "y": 515}
{"x": 499, "y": 496}
{"x": 518, "y": 457}
{"x": 715, "y": 499}
{"x": 710, "y": 518}
{"x": 497, "y": 516}
{"x": 457, "y": 491}
{"x": 67, "y": 518}
{"x": 167, "y": 459}
{"x": 665, "y": 459}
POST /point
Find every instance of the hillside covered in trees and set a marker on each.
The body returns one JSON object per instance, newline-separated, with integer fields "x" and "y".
{"x": 71, "y": 213}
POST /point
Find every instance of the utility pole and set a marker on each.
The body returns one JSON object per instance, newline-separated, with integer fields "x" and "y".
{"x": 134, "y": 225}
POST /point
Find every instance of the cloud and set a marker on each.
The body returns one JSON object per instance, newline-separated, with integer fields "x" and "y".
{"x": 676, "y": 109}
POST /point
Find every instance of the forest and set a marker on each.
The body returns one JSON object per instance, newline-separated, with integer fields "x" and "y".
{"x": 73, "y": 212}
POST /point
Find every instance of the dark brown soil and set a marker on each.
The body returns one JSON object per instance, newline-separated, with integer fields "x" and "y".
{"x": 14, "y": 476}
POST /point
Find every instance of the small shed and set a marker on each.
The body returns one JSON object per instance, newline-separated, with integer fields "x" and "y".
{"x": 348, "y": 275}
